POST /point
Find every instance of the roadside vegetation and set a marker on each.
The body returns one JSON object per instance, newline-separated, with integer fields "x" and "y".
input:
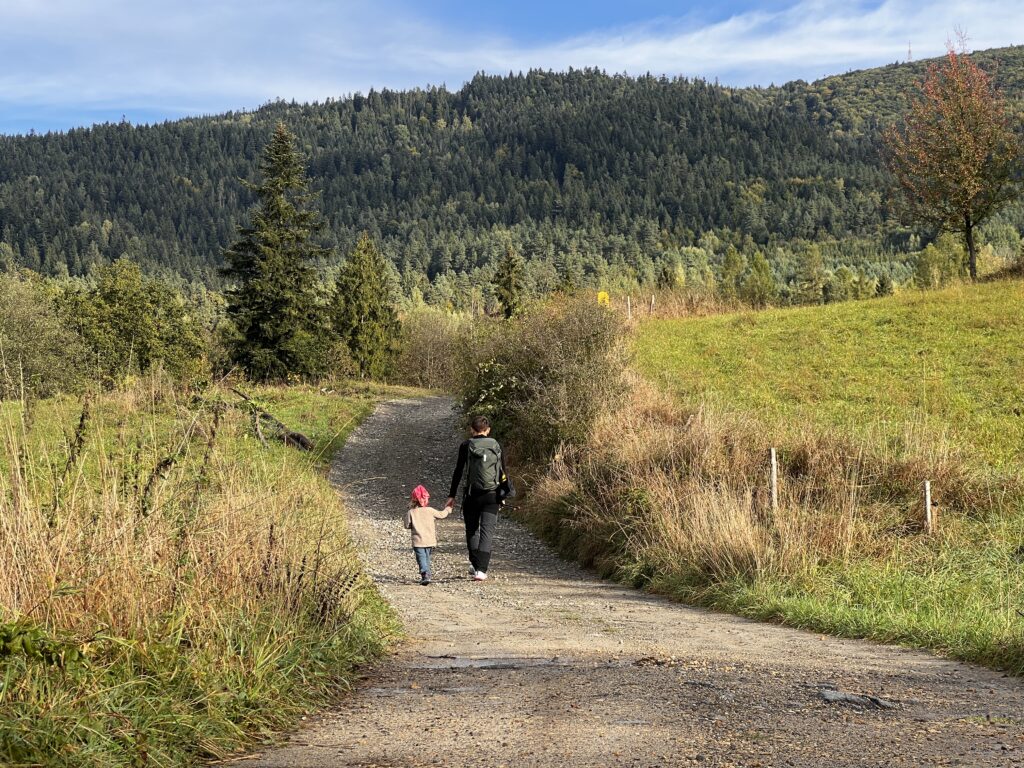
{"x": 661, "y": 480}
{"x": 172, "y": 588}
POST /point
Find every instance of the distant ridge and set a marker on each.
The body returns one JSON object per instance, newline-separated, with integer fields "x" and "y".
{"x": 583, "y": 171}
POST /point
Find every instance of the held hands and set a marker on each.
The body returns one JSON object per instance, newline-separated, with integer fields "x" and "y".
{"x": 450, "y": 504}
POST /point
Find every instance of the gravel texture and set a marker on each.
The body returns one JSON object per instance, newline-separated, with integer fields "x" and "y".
{"x": 545, "y": 665}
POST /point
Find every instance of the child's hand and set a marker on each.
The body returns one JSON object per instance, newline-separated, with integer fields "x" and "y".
{"x": 450, "y": 503}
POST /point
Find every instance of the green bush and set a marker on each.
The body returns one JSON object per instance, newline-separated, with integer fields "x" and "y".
{"x": 544, "y": 376}
{"x": 39, "y": 355}
{"x": 131, "y": 323}
{"x": 432, "y": 350}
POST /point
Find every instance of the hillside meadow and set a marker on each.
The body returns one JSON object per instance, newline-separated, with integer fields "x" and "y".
{"x": 946, "y": 366}
{"x": 863, "y": 401}
{"x": 172, "y": 588}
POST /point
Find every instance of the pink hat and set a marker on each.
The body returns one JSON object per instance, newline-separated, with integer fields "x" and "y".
{"x": 420, "y": 495}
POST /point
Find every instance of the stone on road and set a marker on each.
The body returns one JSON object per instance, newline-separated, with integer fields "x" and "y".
{"x": 545, "y": 665}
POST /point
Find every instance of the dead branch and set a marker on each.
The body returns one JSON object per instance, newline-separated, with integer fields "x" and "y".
{"x": 279, "y": 429}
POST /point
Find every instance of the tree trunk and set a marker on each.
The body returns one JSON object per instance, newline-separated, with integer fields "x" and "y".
{"x": 972, "y": 251}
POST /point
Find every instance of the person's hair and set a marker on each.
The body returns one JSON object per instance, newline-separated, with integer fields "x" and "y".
{"x": 480, "y": 423}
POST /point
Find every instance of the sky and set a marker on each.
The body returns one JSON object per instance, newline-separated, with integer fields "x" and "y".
{"x": 68, "y": 63}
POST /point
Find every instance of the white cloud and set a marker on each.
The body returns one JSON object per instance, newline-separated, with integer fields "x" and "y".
{"x": 196, "y": 56}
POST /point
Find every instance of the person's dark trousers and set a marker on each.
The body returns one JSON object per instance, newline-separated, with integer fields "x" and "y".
{"x": 481, "y": 515}
{"x": 423, "y": 558}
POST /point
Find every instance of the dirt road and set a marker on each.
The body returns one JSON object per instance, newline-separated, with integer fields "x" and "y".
{"x": 544, "y": 665}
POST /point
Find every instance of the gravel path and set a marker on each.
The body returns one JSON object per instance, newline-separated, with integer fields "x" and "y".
{"x": 544, "y": 665}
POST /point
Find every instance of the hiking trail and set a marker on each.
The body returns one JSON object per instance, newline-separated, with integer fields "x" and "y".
{"x": 546, "y": 665}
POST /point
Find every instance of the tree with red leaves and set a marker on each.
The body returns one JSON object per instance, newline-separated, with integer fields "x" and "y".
{"x": 955, "y": 157}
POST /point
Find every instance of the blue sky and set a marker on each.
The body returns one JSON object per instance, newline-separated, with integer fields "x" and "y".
{"x": 65, "y": 63}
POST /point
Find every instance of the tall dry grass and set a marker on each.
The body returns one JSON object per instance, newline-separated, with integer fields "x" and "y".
{"x": 142, "y": 511}
{"x": 657, "y": 489}
{"x": 168, "y": 586}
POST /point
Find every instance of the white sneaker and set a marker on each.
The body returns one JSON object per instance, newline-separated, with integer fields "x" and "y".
{"x": 480, "y": 576}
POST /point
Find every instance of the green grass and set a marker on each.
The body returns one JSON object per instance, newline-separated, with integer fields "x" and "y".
{"x": 241, "y": 649}
{"x": 951, "y": 362}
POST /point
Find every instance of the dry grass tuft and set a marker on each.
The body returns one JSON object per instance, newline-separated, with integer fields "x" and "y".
{"x": 165, "y": 576}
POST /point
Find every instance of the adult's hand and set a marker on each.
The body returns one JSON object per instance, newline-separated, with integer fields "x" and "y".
{"x": 450, "y": 503}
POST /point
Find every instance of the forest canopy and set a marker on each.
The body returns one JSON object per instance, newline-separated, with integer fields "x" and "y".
{"x": 596, "y": 178}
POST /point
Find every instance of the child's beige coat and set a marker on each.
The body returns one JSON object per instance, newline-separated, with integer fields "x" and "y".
{"x": 422, "y": 522}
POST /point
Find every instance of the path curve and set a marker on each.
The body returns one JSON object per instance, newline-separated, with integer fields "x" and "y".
{"x": 544, "y": 665}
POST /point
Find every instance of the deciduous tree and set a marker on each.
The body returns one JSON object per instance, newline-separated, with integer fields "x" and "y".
{"x": 955, "y": 155}
{"x": 759, "y": 286}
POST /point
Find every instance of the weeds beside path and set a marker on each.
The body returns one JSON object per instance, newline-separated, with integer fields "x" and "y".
{"x": 170, "y": 588}
{"x": 545, "y": 665}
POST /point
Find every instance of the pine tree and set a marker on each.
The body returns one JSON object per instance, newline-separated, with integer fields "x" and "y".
{"x": 885, "y": 285}
{"x": 274, "y": 303}
{"x": 363, "y": 310}
{"x": 508, "y": 282}
{"x": 810, "y": 275}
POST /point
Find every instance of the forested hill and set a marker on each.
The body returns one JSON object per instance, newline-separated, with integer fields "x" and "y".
{"x": 586, "y": 173}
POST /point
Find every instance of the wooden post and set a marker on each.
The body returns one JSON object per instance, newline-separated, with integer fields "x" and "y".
{"x": 629, "y": 308}
{"x": 929, "y": 523}
{"x": 652, "y": 305}
{"x": 774, "y": 460}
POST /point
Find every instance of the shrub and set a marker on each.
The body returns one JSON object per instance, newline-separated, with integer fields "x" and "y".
{"x": 543, "y": 377}
{"x": 37, "y": 352}
{"x": 433, "y": 349}
{"x": 131, "y": 323}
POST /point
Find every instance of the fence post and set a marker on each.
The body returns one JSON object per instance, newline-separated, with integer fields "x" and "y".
{"x": 629, "y": 308}
{"x": 652, "y": 305}
{"x": 774, "y": 478}
{"x": 929, "y": 522}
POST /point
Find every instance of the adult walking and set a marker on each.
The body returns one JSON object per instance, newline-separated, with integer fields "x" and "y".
{"x": 482, "y": 461}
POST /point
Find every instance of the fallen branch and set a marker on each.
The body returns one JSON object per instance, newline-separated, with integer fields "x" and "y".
{"x": 280, "y": 430}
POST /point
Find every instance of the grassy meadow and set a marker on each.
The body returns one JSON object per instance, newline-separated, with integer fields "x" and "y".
{"x": 946, "y": 365}
{"x": 863, "y": 401}
{"x": 172, "y": 589}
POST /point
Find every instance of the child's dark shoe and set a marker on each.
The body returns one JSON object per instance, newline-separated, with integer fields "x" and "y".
{"x": 424, "y": 579}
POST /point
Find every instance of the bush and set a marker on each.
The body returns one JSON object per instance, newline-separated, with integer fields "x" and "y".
{"x": 38, "y": 354}
{"x": 543, "y": 377}
{"x": 131, "y": 323}
{"x": 433, "y": 350}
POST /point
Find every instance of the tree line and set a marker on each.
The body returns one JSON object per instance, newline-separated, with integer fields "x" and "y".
{"x": 596, "y": 179}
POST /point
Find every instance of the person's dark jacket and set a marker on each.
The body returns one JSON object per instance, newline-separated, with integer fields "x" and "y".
{"x": 460, "y": 466}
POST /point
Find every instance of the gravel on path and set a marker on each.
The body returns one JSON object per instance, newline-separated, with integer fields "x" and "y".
{"x": 545, "y": 665}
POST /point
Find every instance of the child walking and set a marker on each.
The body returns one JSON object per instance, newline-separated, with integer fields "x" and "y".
{"x": 421, "y": 520}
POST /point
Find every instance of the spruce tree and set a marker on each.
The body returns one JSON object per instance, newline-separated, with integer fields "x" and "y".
{"x": 363, "y": 311}
{"x": 274, "y": 303}
{"x": 508, "y": 282}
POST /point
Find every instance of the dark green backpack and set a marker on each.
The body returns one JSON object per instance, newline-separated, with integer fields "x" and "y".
{"x": 484, "y": 464}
